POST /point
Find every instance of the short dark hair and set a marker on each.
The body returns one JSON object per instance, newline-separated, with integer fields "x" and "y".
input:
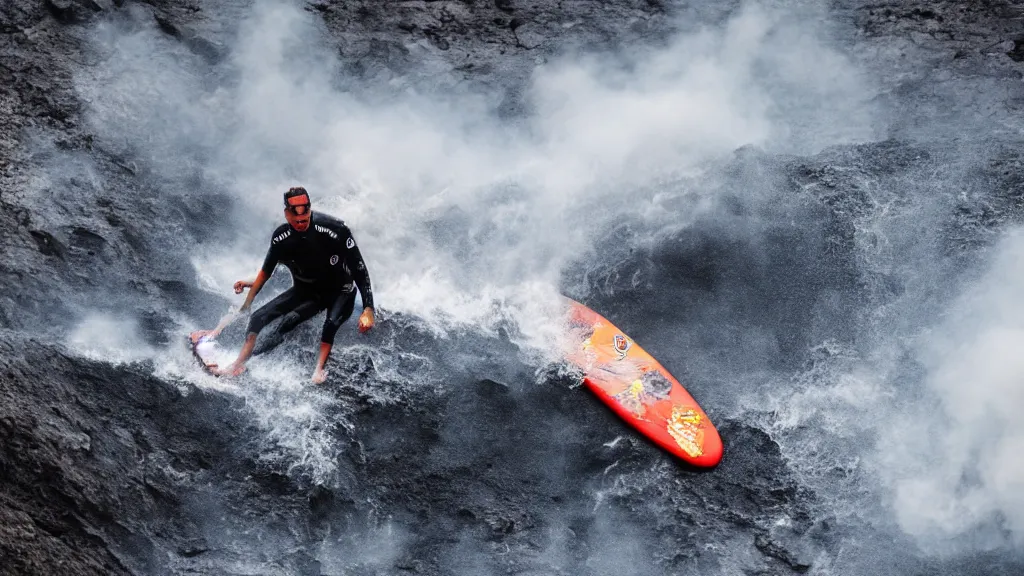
{"x": 293, "y": 192}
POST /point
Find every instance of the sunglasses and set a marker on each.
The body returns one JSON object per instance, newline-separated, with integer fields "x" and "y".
{"x": 298, "y": 209}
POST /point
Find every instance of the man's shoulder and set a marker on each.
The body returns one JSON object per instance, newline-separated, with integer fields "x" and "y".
{"x": 281, "y": 233}
{"x": 329, "y": 225}
{"x": 328, "y": 221}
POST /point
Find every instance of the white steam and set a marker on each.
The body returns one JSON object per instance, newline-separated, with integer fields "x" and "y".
{"x": 455, "y": 211}
{"x": 958, "y": 470}
{"x": 102, "y": 337}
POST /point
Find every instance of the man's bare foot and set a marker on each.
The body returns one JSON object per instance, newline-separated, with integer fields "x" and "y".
{"x": 319, "y": 376}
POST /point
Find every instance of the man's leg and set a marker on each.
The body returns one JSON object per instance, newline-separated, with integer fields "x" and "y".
{"x": 284, "y": 303}
{"x": 303, "y": 312}
{"x": 339, "y": 311}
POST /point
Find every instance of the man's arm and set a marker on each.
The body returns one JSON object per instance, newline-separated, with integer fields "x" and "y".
{"x": 254, "y": 288}
{"x": 255, "y": 285}
{"x": 266, "y": 271}
{"x": 357, "y": 268}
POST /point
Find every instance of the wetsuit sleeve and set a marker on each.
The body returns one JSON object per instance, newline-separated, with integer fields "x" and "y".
{"x": 273, "y": 257}
{"x": 357, "y": 268}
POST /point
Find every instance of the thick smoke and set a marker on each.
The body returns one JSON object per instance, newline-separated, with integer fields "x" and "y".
{"x": 455, "y": 210}
{"x": 956, "y": 472}
{"x": 100, "y": 336}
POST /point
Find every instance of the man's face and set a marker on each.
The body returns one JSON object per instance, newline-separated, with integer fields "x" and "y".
{"x": 297, "y": 212}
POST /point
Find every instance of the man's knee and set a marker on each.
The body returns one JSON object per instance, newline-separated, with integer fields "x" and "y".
{"x": 290, "y": 321}
{"x": 330, "y": 330}
{"x": 257, "y": 322}
{"x": 336, "y": 316}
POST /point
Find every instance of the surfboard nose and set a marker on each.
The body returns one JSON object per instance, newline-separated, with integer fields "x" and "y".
{"x": 712, "y": 450}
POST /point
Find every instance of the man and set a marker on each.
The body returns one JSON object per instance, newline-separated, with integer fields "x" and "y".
{"x": 324, "y": 261}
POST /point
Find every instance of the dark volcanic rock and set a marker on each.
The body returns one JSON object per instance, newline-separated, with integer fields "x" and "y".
{"x": 61, "y": 235}
{"x": 949, "y": 66}
{"x": 490, "y": 47}
{"x": 109, "y": 470}
{"x": 78, "y": 467}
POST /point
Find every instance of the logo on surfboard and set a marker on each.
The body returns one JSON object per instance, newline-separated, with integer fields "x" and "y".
{"x": 622, "y": 345}
{"x": 686, "y": 426}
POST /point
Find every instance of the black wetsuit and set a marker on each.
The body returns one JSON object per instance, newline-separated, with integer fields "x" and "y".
{"x": 324, "y": 262}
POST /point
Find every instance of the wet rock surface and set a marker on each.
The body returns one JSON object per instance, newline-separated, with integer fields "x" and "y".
{"x": 117, "y": 468}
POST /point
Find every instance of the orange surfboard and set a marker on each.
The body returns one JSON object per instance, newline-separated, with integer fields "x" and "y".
{"x": 639, "y": 389}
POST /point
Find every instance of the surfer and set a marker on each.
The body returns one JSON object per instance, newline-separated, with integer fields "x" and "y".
{"x": 326, "y": 268}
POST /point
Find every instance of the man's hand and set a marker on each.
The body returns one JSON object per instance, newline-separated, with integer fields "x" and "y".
{"x": 241, "y": 285}
{"x": 366, "y": 320}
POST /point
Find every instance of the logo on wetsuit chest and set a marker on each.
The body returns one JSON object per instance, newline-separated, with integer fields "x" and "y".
{"x": 334, "y": 260}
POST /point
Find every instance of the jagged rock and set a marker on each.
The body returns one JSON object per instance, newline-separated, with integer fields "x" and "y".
{"x": 528, "y": 36}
